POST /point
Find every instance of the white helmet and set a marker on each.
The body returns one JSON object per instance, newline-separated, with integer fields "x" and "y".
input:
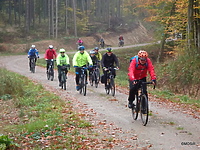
{"x": 50, "y": 46}
{"x": 33, "y": 46}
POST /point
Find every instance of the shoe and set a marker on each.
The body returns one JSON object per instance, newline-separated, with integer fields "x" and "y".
{"x": 130, "y": 105}
{"x": 77, "y": 87}
{"x": 59, "y": 84}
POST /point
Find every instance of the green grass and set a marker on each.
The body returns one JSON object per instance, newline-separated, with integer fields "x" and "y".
{"x": 41, "y": 115}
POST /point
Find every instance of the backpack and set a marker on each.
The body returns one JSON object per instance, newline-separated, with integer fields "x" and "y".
{"x": 137, "y": 61}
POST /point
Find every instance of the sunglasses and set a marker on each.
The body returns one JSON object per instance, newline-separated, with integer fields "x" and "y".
{"x": 143, "y": 59}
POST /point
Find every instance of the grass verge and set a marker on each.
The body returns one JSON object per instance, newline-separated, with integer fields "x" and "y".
{"x": 33, "y": 118}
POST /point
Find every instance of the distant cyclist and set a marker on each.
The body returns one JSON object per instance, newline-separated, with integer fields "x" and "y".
{"x": 138, "y": 71}
{"x": 109, "y": 59}
{"x": 33, "y": 53}
{"x": 81, "y": 59}
{"x": 79, "y": 42}
{"x": 62, "y": 60}
{"x": 101, "y": 42}
{"x": 121, "y": 40}
{"x": 50, "y": 53}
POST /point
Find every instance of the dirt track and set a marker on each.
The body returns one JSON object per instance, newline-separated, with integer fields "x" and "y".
{"x": 113, "y": 111}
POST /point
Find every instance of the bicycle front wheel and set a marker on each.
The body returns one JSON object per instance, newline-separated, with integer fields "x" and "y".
{"x": 52, "y": 74}
{"x": 48, "y": 74}
{"x": 97, "y": 78}
{"x": 63, "y": 81}
{"x": 135, "y": 108}
{"x": 84, "y": 85}
{"x": 144, "y": 109}
{"x": 112, "y": 86}
{"x": 33, "y": 66}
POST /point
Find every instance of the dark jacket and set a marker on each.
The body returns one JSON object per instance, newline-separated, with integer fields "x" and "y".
{"x": 109, "y": 61}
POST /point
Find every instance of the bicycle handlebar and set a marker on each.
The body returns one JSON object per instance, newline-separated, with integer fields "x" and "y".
{"x": 146, "y": 83}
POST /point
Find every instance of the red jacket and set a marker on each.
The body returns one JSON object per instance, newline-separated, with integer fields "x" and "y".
{"x": 139, "y": 72}
{"x": 50, "y": 54}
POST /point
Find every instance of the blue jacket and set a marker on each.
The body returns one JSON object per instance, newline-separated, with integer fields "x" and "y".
{"x": 33, "y": 53}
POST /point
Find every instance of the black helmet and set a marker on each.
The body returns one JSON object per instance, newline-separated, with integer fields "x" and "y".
{"x": 109, "y": 49}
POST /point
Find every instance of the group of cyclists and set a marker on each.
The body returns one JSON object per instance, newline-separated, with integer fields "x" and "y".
{"x": 138, "y": 68}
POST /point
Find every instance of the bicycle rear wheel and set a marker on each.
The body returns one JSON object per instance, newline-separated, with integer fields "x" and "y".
{"x": 144, "y": 109}
{"x": 135, "y": 108}
{"x": 112, "y": 86}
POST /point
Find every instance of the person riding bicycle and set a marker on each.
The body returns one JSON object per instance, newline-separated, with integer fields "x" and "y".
{"x": 97, "y": 53}
{"x": 79, "y": 42}
{"x": 50, "y": 53}
{"x": 101, "y": 42}
{"x": 95, "y": 61}
{"x": 81, "y": 59}
{"x": 138, "y": 71}
{"x": 121, "y": 38}
{"x": 33, "y": 53}
{"x": 108, "y": 60}
{"x": 62, "y": 60}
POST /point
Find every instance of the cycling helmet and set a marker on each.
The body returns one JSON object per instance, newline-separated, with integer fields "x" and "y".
{"x": 96, "y": 48}
{"x": 142, "y": 53}
{"x": 50, "y": 46}
{"x": 81, "y": 48}
{"x": 92, "y": 52}
{"x": 62, "y": 50}
{"x": 109, "y": 49}
{"x": 33, "y": 46}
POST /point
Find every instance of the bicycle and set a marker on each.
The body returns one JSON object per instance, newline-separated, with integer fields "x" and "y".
{"x": 110, "y": 88}
{"x": 50, "y": 70}
{"x": 32, "y": 64}
{"x": 140, "y": 104}
{"x": 95, "y": 76}
{"x": 83, "y": 81}
{"x": 63, "y": 80}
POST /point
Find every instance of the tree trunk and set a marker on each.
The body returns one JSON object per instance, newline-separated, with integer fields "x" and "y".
{"x": 74, "y": 11}
{"x": 190, "y": 27}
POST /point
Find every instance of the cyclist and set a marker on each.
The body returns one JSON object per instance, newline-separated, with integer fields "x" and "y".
{"x": 79, "y": 42}
{"x": 139, "y": 72}
{"x": 62, "y": 60}
{"x": 97, "y": 53}
{"x": 102, "y": 43}
{"x": 121, "y": 39}
{"x": 94, "y": 61}
{"x": 33, "y": 53}
{"x": 81, "y": 59}
{"x": 50, "y": 53}
{"x": 108, "y": 60}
